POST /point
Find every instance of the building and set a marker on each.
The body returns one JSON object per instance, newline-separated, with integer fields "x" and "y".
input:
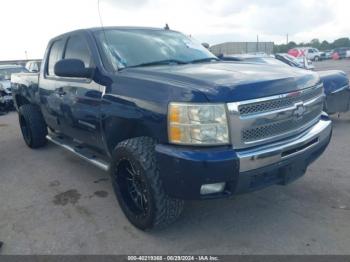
{"x": 231, "y": 48}
{"x": 18, "y": 62}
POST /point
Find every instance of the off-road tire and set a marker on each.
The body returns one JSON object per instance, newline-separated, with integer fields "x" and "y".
{"x": 33, "y": 126}
{"x": 163, "y": 210}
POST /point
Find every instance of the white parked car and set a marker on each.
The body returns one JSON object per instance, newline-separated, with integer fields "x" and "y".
{"x": 311, "y": 53}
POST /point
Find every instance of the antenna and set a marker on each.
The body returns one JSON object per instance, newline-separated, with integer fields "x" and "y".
{"x": 99, "y": 13}
{"x": 101, "y": 22}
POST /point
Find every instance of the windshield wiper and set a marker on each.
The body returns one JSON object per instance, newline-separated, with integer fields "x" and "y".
{"x": 203, "y": 60}
{"x": 161, "y": 62}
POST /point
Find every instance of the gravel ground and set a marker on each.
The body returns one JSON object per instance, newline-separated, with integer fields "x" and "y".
{"x": 51, "y": 202}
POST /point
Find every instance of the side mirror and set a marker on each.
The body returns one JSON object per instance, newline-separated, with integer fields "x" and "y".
{"x": 72, "y": 68}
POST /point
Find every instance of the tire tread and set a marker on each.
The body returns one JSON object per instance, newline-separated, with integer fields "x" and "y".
{"x": 167, "y": 209}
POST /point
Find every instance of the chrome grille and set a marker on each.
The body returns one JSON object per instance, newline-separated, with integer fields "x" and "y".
{"x": 279, "y": 103}
{"x": 277, "y": 128}
{"x": 267, "y": 119}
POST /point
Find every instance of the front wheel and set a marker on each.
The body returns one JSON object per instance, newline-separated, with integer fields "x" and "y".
{"x": 138, "y": 187}
{"x": 32, "y": 125}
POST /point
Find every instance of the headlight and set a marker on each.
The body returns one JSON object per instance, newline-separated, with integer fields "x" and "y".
{"x": 197, "y": 124}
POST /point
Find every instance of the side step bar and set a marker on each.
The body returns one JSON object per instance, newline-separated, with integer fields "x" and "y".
{"x": 82, "y": 152}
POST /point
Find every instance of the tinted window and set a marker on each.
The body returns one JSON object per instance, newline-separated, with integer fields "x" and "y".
{"x": 77, "y": 48}
{"x": 56, "y": 52}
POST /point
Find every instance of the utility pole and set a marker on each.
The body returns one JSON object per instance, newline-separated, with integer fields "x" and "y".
{"x": 26, "y": 54}
{"x": 257, "y": 43}
{"x": 287, "y": 39}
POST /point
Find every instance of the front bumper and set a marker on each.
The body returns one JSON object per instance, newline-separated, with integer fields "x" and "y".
{"x": 184, "y": 170}
{"x": 338, "y": 101}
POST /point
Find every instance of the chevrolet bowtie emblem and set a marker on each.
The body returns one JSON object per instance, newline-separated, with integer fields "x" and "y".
{"x": 299, "y": 111}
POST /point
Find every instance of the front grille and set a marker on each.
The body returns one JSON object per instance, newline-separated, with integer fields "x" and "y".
{"x": 268, "y": 119}
{"x": 279, "y": 103}
{"x": 278, "y": 128}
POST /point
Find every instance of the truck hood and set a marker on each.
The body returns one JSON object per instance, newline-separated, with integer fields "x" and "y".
{"x": 229, "y": 81}
{"x": 333, "y": 80}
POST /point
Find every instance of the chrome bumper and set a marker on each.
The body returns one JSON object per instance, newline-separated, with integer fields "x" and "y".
{"x": 277, "y": 152}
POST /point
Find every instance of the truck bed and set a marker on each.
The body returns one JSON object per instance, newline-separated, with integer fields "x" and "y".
{"x": 25, "y": 84}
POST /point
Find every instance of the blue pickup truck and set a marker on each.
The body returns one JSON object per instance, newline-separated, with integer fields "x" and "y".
{"x": 169, "y": 120}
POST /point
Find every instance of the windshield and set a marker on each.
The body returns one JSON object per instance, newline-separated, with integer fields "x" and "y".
{"x": 5, "y": 73}
{"x": 138, "y": 47}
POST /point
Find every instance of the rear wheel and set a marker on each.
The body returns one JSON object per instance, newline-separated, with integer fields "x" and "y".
{"x": 138, "y": 187}
{"x": 32, "y": 125}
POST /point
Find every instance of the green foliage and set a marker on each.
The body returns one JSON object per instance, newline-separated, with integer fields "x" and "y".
{"x": 324, "y": 45}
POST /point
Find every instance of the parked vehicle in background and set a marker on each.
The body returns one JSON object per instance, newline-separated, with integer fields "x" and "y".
{"x": 309, "y": 52}
{"x": 335, "y": 82}
{"x": 280, "y": 59}
{"x": 6, "y": 101}
{"x": 301, "y": 62}
{"x": 327, "y": 54}
{"x": 340, "y": 53}
{"x": 170, "y": 121}
{"x": 33, "y": 66}
{"x": 337, "y": 91}
{"x": 347, "y": 55}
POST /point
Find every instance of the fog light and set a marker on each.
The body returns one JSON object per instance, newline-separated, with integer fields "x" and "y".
{"x": 212, "y": 188}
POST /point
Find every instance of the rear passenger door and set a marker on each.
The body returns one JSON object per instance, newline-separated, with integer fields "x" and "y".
{"x": 81, "y": 97}
{"x": 50, "y": 99}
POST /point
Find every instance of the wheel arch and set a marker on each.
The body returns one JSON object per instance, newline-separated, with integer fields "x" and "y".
{"x": 117, "y": 130}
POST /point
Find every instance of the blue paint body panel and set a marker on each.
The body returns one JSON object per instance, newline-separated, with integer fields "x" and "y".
{"x": 133, "y": 102}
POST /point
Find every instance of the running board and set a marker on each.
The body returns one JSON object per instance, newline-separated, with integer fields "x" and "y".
{"x": 87, "y": 154}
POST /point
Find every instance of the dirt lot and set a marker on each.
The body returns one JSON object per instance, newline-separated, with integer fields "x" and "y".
{"x": 51, "y": 202}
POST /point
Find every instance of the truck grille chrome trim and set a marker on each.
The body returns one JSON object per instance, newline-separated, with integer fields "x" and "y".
{"x": 260, "y": 121}
{"x": 262, "y": 156}
{"x": 278, "y": 102}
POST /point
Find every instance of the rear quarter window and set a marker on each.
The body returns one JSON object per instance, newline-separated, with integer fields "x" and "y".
{"x": 56, "y": 53}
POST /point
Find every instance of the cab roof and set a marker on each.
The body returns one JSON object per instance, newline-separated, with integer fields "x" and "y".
{"x": 122, "y": 28}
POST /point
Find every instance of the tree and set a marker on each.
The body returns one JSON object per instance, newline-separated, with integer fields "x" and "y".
{"x": 325, "y": 45}
{"x": 342, "y": 42}
{"x": 315, "y": 43}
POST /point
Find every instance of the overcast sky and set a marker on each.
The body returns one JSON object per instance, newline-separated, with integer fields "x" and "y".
{"x": 27, "y": 25}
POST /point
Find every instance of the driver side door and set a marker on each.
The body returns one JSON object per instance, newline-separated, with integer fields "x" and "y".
{"x": 80, "y": 97}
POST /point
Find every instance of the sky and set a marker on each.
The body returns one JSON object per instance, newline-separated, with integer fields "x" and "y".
{"x": 27, "y": 25}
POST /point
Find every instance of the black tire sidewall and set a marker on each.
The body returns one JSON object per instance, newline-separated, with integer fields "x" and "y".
{"x": 27, "y": 137}
{"x": 35, "y": 124}
{"x": 141, "y": 222}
